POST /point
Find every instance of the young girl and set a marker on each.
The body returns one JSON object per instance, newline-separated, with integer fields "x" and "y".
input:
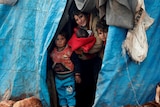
{"x": 89, "y": 61}
{"x": 65, "y": 67}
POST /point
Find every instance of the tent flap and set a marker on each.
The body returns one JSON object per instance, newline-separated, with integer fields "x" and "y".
{"x": 122, "y": 81}
{"x": 26, "y": 30}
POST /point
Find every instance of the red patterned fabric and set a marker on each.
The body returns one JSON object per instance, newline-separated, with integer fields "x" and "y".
{"x": 63, "y": 57}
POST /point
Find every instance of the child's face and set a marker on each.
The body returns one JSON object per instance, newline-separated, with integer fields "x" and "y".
{"x": 60, "y": 41}
{"x": 102, "y": 34}
{"x": 81, "y": 19}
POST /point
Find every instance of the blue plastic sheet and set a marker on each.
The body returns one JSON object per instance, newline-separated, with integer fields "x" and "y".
{"x": 121, "y": 81}
{"x": 26, "y": 31}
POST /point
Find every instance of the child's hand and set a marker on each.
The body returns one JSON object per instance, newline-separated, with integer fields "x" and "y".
{"x": 78, "y": 78}
{"x": 79, "y": 51}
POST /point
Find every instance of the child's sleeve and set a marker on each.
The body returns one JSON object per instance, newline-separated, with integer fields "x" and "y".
{"x": 76, "y": 62}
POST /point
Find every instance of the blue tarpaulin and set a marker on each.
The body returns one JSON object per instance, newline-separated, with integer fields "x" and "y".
{"x": 27, "y": 29}
{"x": 121, "y": 80}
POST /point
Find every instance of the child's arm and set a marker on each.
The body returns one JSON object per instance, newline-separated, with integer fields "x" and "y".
{"x": 76, "y": 63}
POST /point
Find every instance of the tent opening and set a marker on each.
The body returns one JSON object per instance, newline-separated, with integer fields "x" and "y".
{"x": 85, "y": 91}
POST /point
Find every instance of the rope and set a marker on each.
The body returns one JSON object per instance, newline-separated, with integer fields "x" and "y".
{"x": 135, "y": 96}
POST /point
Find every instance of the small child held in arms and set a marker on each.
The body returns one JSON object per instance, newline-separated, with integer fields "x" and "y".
{"x": 102, "y": 31}
{"x": 66, "y": 70}
{"x": 83, "y": 33}
{"x": 81, "y": 42}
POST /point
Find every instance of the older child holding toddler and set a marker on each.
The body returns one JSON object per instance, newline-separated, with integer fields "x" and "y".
{"x": 89, "y": 61}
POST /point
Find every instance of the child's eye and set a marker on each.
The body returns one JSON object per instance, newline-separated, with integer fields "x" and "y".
{"x": 80, "y": 16}
{"x": 100, "y": 33}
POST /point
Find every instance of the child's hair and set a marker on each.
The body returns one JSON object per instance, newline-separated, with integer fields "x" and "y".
{"x": 101, "y": 24}
{"x": 78, "y": 12}
{"x": 63, "y": 33}
{"x": 82, "y": 33}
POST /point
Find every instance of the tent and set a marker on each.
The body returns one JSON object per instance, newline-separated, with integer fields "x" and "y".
{"x": 26, "y": 31}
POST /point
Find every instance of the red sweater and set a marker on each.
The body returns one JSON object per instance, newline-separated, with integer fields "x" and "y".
{"x": 62, "y": 61}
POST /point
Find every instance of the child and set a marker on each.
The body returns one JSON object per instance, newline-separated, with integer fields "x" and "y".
{"x": 89, "y": 61}
{"x": 83, "y": 33}
{"x": 64, "y": 67}
{"x": 102, "y": 31}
